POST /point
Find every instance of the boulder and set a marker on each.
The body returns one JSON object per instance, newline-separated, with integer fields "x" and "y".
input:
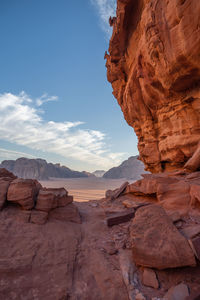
{"x": 50, "y": 198}
{"x": 23, "y": 192}
{"x": 156, "y": 242}
{"x": 68, "y": 213}
{"x": 178, "y": 292}
{"x": 38, "y": 217}
{"x": 149, "y": 278}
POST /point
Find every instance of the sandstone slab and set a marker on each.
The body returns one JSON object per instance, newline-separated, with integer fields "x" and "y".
{"x": 120, "y": 217}
{"x": 156, "y": 243}
{"x": 23, "y": 192}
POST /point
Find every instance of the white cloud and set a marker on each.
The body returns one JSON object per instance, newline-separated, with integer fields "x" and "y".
{"x": 105, "y": 8}
{"x": 45, "y": 98}
{"x": 10, "y": 154}
{"x": 21, "y": 123}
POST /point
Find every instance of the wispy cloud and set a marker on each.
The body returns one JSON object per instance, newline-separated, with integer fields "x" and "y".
{"x": 21, "y": 123}
{"x": 10, "y": 154}
{"x": 45, "y": 98}
{"x": 105, "y": 8}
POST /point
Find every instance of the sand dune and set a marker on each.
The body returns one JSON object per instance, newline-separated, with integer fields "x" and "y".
{"x": 85, "y": 189}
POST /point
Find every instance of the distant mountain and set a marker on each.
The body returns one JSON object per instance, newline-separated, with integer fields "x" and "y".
{"x": 99, "y": 173}
{"x": 39, "y": 169}
{"x": 131, "y": 168}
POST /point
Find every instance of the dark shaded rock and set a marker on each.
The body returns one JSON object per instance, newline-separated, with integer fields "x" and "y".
{"x": 121, "y": 217}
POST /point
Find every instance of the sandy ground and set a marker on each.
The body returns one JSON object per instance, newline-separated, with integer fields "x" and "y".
{"x": 85, "y": 189}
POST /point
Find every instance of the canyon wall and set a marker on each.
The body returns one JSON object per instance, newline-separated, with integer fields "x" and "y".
{"x": 153, "y": 65}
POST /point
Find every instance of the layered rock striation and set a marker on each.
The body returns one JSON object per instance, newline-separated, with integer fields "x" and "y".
{"x": 154, "y": 68}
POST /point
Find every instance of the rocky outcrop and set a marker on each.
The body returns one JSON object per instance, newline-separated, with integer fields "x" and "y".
{"x": 154, "y": 67}
{"x": 35, "y": 201}
{"x": 39, "y": 169}
{"x": 132, "y": 168}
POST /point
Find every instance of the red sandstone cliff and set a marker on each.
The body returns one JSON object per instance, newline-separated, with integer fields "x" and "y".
{"x": 154, "y": 67}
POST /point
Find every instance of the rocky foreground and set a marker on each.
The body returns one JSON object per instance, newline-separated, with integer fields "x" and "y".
{"x": 133, "y": 244}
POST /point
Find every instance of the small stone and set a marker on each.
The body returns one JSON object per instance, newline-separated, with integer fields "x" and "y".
{"x": 149, "y": 278}
{"x": 179, "y": 224}
{"x": 140, "y": 296}
{"x": 178, "y": 292}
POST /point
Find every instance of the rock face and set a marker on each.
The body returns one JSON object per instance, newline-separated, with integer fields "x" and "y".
{"x": 154, "y": 67}
{"x": 131, "y": 168}
{"x": 39, "y": 169}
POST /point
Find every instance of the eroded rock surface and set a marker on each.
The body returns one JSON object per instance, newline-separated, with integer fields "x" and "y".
{"x": 154, "y": 67}
{"x": 156, "y": 243}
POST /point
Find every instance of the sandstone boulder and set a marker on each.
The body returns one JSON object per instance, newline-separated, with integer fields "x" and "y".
{"x": 68, "y": 213}
{"x": 23, "y": 192}
{"x": 149, "y": 278}
{"x": 156, "y": 243}
{"x": 50, "y": 198}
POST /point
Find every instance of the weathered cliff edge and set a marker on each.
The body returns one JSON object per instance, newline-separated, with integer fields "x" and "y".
{"x": 154, "y": 67}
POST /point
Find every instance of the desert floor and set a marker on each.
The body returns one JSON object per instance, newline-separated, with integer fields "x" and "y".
{"x": 85, "y": 189}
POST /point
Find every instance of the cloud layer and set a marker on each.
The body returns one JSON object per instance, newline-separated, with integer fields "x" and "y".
{"x": 21, "y": 123}
{"x": 105, "y": 8}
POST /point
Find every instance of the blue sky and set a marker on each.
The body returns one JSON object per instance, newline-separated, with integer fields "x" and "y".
{"x": 55, "y": 101}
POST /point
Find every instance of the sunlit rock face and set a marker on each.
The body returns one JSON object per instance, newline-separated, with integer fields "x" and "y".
{"x": 154, "y": 68}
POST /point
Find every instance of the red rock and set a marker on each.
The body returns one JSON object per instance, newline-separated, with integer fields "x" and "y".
{"x": 153, "y": 66}
{"x": 175, "y": 195}
{"x": 50, "y": 198}
{"x": 24, "y": 216}
{"x": 178, "y": 292}
{"x": 6, "y": 173}
{"x": 68, "y": 213}
{"x": 38, "y": 217}
{"x": 23, "y": 192}
{"x": 156, "y": 243}
{"x": 149, "y": 278}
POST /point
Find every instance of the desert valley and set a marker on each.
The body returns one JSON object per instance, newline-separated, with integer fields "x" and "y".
{"x": 131, "y": 232}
